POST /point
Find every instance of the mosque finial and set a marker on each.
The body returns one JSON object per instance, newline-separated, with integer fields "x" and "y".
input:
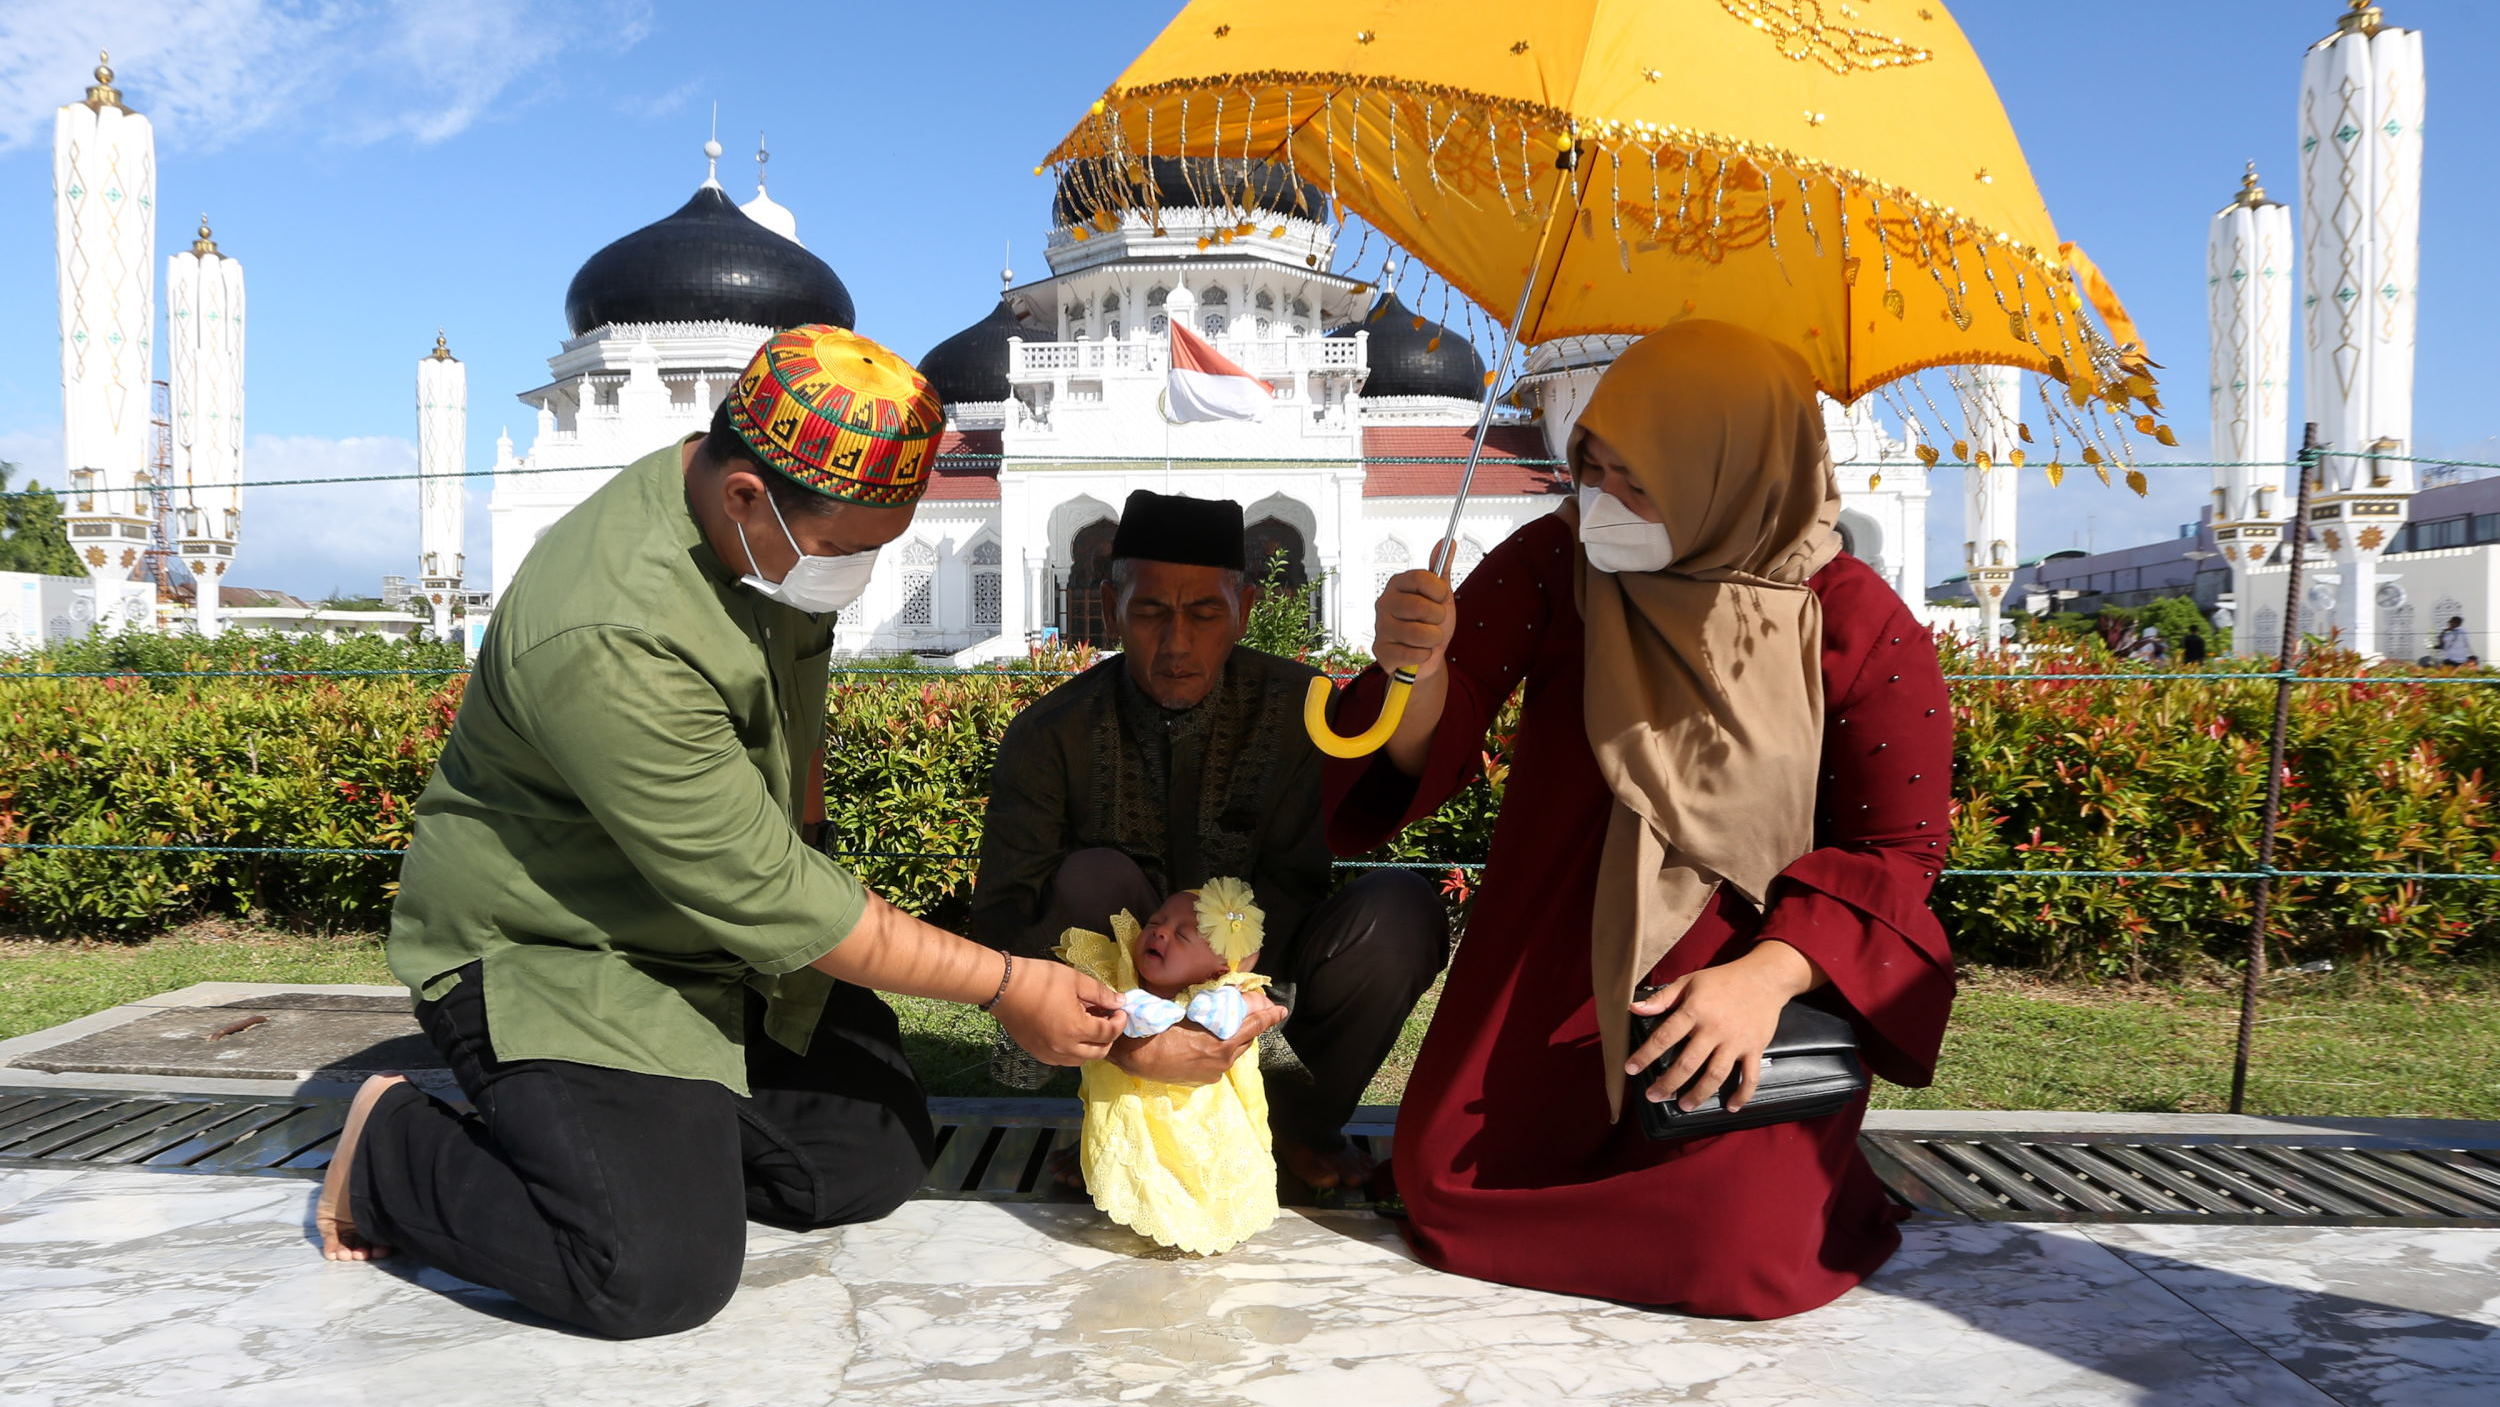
{"x": 206, "y": 243}
{"x": 762, "y": 155}
{"x": 103, "y": 94}
{"x": 2251, "y": 193}
{"x": 1007, "y": 270}
{"x": 2360, "y": 17}
{"x": 442, "y": 348}
{"x": 711, "y": 151}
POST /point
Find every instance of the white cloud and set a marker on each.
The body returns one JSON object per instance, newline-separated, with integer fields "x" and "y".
{"x": 37, "y": 455}
{"x": 309, "y": 539}
{"x": 207, "y": 72}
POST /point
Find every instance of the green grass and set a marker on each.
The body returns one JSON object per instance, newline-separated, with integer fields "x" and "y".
{"x": 2350, "y": 1044}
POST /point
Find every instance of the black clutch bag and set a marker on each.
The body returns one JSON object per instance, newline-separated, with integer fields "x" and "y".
{"x": 1810, "y": 1069}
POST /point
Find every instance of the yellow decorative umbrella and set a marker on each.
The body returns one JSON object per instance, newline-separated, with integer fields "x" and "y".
{"x": 1835, "y": 174}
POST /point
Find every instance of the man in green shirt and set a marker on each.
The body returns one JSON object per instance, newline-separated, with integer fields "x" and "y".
{"x": 658, "y": 996}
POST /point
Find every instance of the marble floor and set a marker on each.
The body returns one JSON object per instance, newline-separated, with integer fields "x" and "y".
{"x": 128, "y": 1287}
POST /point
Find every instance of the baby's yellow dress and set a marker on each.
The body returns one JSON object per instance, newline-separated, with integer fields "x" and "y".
{"x": 1187, "y": 1165}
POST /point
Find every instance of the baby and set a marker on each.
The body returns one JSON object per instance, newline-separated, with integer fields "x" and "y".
{"x": 1188, "y": 1166}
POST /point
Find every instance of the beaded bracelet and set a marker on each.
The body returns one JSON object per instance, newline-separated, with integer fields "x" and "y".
{"x": 1007, "y": 969}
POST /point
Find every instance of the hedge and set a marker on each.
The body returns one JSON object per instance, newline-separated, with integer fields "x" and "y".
{"x": 2143, "y": 773}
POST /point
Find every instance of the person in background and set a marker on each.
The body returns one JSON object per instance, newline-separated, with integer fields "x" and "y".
{"x": 2192, "y": 649}
{"x": 2454, "y": 648}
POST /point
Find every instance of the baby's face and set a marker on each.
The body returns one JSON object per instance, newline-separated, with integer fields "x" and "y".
{"x": 1171, "y": 952}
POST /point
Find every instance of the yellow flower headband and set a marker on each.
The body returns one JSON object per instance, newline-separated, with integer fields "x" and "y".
{"x": 1230, "y": 918}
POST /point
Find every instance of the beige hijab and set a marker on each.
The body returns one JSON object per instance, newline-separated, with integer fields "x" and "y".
{"x": 1705, "y": 681}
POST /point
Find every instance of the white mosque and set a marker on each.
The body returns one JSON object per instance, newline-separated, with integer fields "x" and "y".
{"x": 1054, "y": 410}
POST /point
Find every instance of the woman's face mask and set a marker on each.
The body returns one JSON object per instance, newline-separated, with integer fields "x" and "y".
{"x": 816, "y": 585}
{"x": 1617, "y": 539}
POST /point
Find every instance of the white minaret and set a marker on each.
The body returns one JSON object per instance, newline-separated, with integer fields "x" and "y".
{"x": 2248, "y": 296}
{"x": 2361, "y": 206}
{"x": 1991, "y": 399}
{"x": 442, "y": 496}
{"x": 104, "y": 222}
{"x": 204, "y": 342}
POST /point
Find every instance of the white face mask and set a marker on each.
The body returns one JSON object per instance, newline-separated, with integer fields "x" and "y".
{"x": 816, "y": 585}
{"x": 1617, "y": 539}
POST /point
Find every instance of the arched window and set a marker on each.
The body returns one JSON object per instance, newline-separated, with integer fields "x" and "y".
{"x": 1160, "y": 325}
{"x": 1388, "y": 559}
{"x": 1157, "y": 295}
{"x": 1111, "y": 302}
{"x": 1112, "y": 329}
{"x": 1215, "y": 298}
{"x": 919, "y": 585}
{"x": 1264, "y": 302}
{"x": 1299, "y": 308}
{"x": 1266, "y": 326}
{"x": 1214, "y": 323}
{"x": 986, "y": 594}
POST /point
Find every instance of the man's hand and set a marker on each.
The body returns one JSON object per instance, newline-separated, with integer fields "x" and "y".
{"x": 1191, "y": 1055}
{"x": 1725, "y": 1016}
{"x": 1058, "y": 1014}
{"x": 1413, "y": 622}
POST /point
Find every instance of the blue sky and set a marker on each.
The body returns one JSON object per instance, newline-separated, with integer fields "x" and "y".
{"x": 386, "y": 168}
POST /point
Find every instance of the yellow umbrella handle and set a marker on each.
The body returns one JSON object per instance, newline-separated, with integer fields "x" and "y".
{"x": 1370, "y": 740}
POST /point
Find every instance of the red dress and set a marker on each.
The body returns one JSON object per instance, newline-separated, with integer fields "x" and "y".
{"x": 1509, "y": 1165}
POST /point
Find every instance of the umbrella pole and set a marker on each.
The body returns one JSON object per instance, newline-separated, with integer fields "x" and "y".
{"x": 1324, "y": 735}
{"x": 1447, "y": 551}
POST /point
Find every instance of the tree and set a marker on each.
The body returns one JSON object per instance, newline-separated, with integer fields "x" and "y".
{"x": 32, "y": 536}
{"x": 1284, "y": 620}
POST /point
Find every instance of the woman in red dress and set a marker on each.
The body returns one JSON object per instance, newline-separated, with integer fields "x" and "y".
{"x": 1730, "y": 782}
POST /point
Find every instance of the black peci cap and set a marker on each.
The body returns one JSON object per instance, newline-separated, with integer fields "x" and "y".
{"x": 1191, "y": 532}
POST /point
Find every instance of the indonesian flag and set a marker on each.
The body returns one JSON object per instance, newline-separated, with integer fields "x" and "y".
{"x": 1205, "y": 386}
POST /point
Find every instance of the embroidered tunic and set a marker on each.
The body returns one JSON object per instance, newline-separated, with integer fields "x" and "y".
{"x": 1228, "y": 787}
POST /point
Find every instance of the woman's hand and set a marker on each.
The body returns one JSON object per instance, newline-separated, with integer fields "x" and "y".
{"x": 1413, "y": 621}
{"x": 1725, "y": 1016}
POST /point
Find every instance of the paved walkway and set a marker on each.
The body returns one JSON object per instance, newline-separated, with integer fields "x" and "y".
{"x": 130, "y": 1287}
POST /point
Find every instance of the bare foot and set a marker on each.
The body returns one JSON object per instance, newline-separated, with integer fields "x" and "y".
{"x": 1066, "y": 1169}
{"x": 1343, "y": 1166}
{"x": 339, "y": 1240}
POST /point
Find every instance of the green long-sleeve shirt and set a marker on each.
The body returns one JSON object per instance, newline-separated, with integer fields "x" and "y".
{"x": 613, "y": 827}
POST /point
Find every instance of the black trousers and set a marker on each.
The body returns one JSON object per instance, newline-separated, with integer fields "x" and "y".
{"x": 1361, "y": 961}
{"x": 618, "y": 1202}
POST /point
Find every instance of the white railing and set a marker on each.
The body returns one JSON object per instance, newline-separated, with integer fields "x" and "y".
{"x": 1286, "y": 357}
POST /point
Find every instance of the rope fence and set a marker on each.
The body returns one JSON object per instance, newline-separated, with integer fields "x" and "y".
{"x": 1949, "y": 872}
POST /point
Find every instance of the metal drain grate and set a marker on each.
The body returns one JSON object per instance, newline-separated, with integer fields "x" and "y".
{"x": 168, "y": 1133}
{"x": 999, "y": 1150}
{"x": 2119, "y": 1177}
{"x": 988, "y": 1150}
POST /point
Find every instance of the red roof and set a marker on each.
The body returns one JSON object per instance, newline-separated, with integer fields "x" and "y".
{"x": 1498, "y": 474}
{"x": 968, "y": 480}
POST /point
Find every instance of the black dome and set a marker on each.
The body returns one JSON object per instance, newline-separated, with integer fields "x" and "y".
{"x": 1404, "y": 362}
{"x": 706, "y": 263}
{"x": 972, "y": 364}
{"x": 1182, "y": 183}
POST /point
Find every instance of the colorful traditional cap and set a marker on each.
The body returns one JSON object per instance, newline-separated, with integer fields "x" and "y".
{"x": 839, "y": 414}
